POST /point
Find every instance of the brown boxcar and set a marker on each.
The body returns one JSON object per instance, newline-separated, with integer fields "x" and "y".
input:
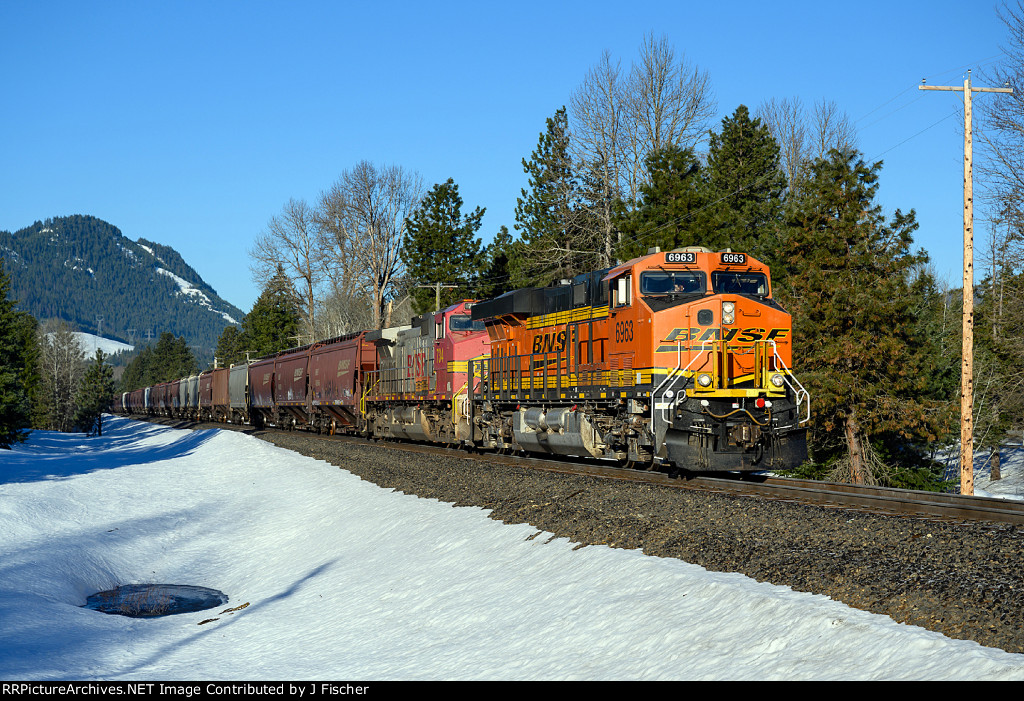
{"x": 158, "y": 398}
{"x": 174, "y": 398}
{"x": 220, "y": 402}
{"x": 206, "y": 395}
{"x": 261, "y": 391}
{"x": 336, "y": 371}
{"x": 291, "y": 384}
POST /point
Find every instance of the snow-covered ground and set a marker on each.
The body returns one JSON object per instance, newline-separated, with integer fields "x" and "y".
{"x": 90, "y": 342}
{"x": 1011, "y": 469}
{"x": 346, "y": 580}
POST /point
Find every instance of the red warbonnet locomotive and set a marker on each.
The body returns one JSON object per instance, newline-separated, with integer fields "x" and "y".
{"x": 675, "y": 360}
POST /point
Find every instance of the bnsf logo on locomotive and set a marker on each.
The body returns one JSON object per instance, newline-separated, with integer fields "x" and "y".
{"x": 749, "y": 335}
{"x": 549, "y": 343}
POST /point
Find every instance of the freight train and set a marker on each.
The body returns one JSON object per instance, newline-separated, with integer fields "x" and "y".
{"x": 677, "y": 360}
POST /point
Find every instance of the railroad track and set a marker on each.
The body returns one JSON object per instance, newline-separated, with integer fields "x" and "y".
{"x": 883, "y": 500}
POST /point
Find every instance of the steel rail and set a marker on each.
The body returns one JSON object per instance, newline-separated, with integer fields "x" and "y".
{"x": 883, "y": 500}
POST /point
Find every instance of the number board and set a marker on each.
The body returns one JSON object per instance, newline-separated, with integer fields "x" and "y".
{"x": 734, "y": 258}
{"x": 681, "y": 257}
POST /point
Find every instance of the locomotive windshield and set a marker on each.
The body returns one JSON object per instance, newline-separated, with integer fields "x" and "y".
{"x": 463, "y": 322}
{"x": 672, "y": 282}
{"x": 740, "y": 283}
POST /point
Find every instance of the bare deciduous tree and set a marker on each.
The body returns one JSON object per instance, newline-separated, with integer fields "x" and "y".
{"x": 999, "y": 166}
{"x": 598, "y": 107}
{"x": 61, "y": 364}
{"x": 832, "y": 129}
{"x": 617, "y": 121}
{"x": 294, "y": 241}
{"x": 342, "y": 310}
{"x": 364, "y": 215}
{"x": 669, "y": 100}
{"x": 786, "y": 120}
{"x": 804, "y": 137}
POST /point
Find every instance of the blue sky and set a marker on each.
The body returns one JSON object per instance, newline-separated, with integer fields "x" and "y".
{"x": 191, "y": 124}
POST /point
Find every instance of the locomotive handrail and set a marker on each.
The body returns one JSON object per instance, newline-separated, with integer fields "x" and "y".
{"x": 455, "y": 399}
{"x": 786, "y": 376}
{"x": 370, "y": 385}
{"x": 671, "y": 375}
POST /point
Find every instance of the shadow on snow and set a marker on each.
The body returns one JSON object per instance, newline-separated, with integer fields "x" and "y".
{"x": 48, "y": 455}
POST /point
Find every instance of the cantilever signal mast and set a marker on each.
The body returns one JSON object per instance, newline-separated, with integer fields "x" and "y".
{"x": 966, "y": 364}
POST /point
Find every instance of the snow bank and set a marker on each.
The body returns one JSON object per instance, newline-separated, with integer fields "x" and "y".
{"x": 346, "y": 580}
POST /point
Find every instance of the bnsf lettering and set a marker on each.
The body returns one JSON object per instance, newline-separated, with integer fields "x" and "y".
{"x": 749, "y": 335}
{"x": 415, "y": 364}
{"x": 549, "y": 343}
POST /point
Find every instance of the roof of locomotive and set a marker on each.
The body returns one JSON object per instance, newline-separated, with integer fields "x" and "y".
{"x": 588, "y": 289}
{"x": 698, "y": 255}
{"x": 582, "y": 290}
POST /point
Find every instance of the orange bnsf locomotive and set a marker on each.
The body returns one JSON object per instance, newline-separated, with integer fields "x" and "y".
{"x": 677, "y": 360}
{"x": 680, "y": 358}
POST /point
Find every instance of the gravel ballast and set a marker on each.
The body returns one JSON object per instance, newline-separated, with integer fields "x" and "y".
{"x": 962, "y": 580}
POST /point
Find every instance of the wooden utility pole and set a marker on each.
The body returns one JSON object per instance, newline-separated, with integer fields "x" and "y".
{"x": 966, "y": 364}
{"x": 437, "y": 292}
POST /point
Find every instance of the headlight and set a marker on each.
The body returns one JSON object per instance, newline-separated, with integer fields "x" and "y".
{"x": 704, "y": 380}
{"x": 728, "y": 312}
{"x": 778, "y": 380}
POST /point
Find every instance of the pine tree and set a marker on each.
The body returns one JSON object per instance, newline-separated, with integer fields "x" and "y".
{"x": 231, "y": 346}
{"x": 172, "y": 359}
{"x": 137, "y": 372}
{"x": 27, "y": 355}
{"x": 496, "y": 278}
{"x": 665, "y": 216}
{"x": 440, "y": 245}
{"x": 855, "y": 326}
{"x": 94, "y": 395}
{"x": 557, "y": 239}
{"x": 169, "y": 359}
{"x": 14, "y": 399}
{"x": 744, "y": 189}
{"x": 273, "y": 324}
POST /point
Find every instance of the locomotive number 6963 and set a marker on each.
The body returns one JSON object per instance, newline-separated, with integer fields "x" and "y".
{"x": 623, "y": 331}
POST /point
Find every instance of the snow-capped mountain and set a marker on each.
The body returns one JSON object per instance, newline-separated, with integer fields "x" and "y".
{"x": 85, "y": 271}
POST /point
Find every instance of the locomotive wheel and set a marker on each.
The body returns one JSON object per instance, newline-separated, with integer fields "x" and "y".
{"x": 639, "y": 464}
